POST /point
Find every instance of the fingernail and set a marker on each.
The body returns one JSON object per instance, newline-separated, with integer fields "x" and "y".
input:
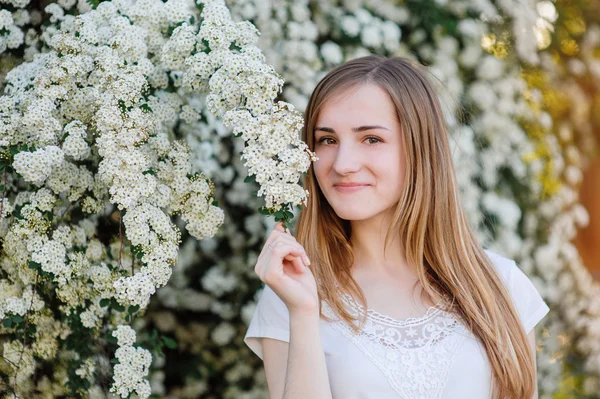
{"x": 306, "y": 260}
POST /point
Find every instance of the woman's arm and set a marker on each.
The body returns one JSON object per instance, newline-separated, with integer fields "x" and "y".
{"x": 284, "y": 266}
{"x": 301, "y": 372}
{"x": 275, "y": 357}
{"x": 531, "y": 339}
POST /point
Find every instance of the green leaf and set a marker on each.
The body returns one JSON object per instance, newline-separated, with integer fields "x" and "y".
{"x": 17, "y": 319}
{"x": 7, "y": 323}
{"x": 128, "y": 318}
{"x": 145, "y": 108}
{"x": 132, "y": 309}
{"x": 170, "y": 343}
{"x": 250, "y": 179}
{"x": 118, "y": 307}
{"x": 2, "y": 165}
{"x": 2, "y": 187}
{"x": 114, "y": 361}
{"x": 104, "y": 302}
{"x": 139, "y": 255}
{"x": 44, "y": 273}
{"x": 215, "y": 203}
{"x": 34, "y": 265}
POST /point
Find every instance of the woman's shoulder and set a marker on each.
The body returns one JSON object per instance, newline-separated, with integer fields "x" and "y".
{"x": 504, "y": 265}
{"x": 527, "y": 299}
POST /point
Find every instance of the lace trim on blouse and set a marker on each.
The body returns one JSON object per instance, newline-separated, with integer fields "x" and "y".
{"x": 413, "y": 354}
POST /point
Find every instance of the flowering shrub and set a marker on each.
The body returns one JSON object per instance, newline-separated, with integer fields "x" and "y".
{"x": 131, "y": 129}
{"x": 86, "y": 131}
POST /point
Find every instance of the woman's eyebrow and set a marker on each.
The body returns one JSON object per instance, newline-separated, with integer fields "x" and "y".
{"x": 354, "y": 129}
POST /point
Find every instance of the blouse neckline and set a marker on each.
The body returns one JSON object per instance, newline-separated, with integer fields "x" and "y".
{"x": 382, "y": 317}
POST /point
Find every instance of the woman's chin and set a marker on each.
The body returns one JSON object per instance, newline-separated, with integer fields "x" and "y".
{"x": 353, "y": 214}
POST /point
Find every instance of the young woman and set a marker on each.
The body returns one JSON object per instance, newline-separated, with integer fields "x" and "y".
{"x": 384, "y": 292}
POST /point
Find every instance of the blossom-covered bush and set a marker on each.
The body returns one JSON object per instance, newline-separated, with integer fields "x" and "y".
{"x": 124, "y": 122}
{"x": 94, "y": 176}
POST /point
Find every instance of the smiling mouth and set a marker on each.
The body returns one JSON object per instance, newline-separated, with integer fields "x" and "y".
{"x": 350, "y": 189}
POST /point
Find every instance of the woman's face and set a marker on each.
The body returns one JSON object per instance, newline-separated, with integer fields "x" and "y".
{"x": 357, "y": 140}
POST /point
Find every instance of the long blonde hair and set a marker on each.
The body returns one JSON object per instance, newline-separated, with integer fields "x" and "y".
{"x": 437, "y": 239}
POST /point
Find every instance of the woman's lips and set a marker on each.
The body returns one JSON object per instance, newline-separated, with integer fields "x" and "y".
{"x": 350, "y": 189}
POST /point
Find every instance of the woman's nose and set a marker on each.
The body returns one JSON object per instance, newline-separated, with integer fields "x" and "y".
{"x": 347, "y": 160}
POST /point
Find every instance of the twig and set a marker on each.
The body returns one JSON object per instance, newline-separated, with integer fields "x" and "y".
{"x": 25, "y": 329}
{"x": 66, "y": 209}
{"x": 3, "y": 193}
{"x": 120, "y": 239}
{"x": 9, "y": 389}
{"x": 8, "y": 361}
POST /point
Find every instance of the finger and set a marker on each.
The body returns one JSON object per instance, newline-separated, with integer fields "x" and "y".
{"x": 281, "y": 249}
{"x": 274, "y": 233}
{"x": 270, "y": 242}
{"x": 297, "y": 262}
{"x": 284, "y": 237}
{"x": 279, "y": 227}
{"x": 278, "y": 236}
{"x": 292, "y": 240}
{"x": 281, "y": 254}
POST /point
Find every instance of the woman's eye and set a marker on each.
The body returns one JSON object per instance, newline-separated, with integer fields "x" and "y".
{"x": 367, "y": 138}
{"x": 325, "y": 138}
{"x": 373, "y": 138}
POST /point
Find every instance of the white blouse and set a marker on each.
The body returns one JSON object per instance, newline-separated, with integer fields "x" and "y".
{"x": 429, "y": 357}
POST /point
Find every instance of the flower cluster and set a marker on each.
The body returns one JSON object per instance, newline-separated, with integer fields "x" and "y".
{"x": 12, "y": 36}
{"x": 274, "y": 154}
{"x": 132, "y": 367}
{"x": 242, "y": 90}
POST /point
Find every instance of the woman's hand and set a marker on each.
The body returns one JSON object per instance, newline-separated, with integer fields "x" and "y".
{"x": 283, "y": 266}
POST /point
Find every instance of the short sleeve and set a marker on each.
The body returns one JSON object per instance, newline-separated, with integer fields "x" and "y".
{"x": 270, "y": 319}
{"x": 529, "y": 303}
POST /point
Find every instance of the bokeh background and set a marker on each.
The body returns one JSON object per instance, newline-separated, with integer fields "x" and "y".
{"x": 520, "y": 84}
